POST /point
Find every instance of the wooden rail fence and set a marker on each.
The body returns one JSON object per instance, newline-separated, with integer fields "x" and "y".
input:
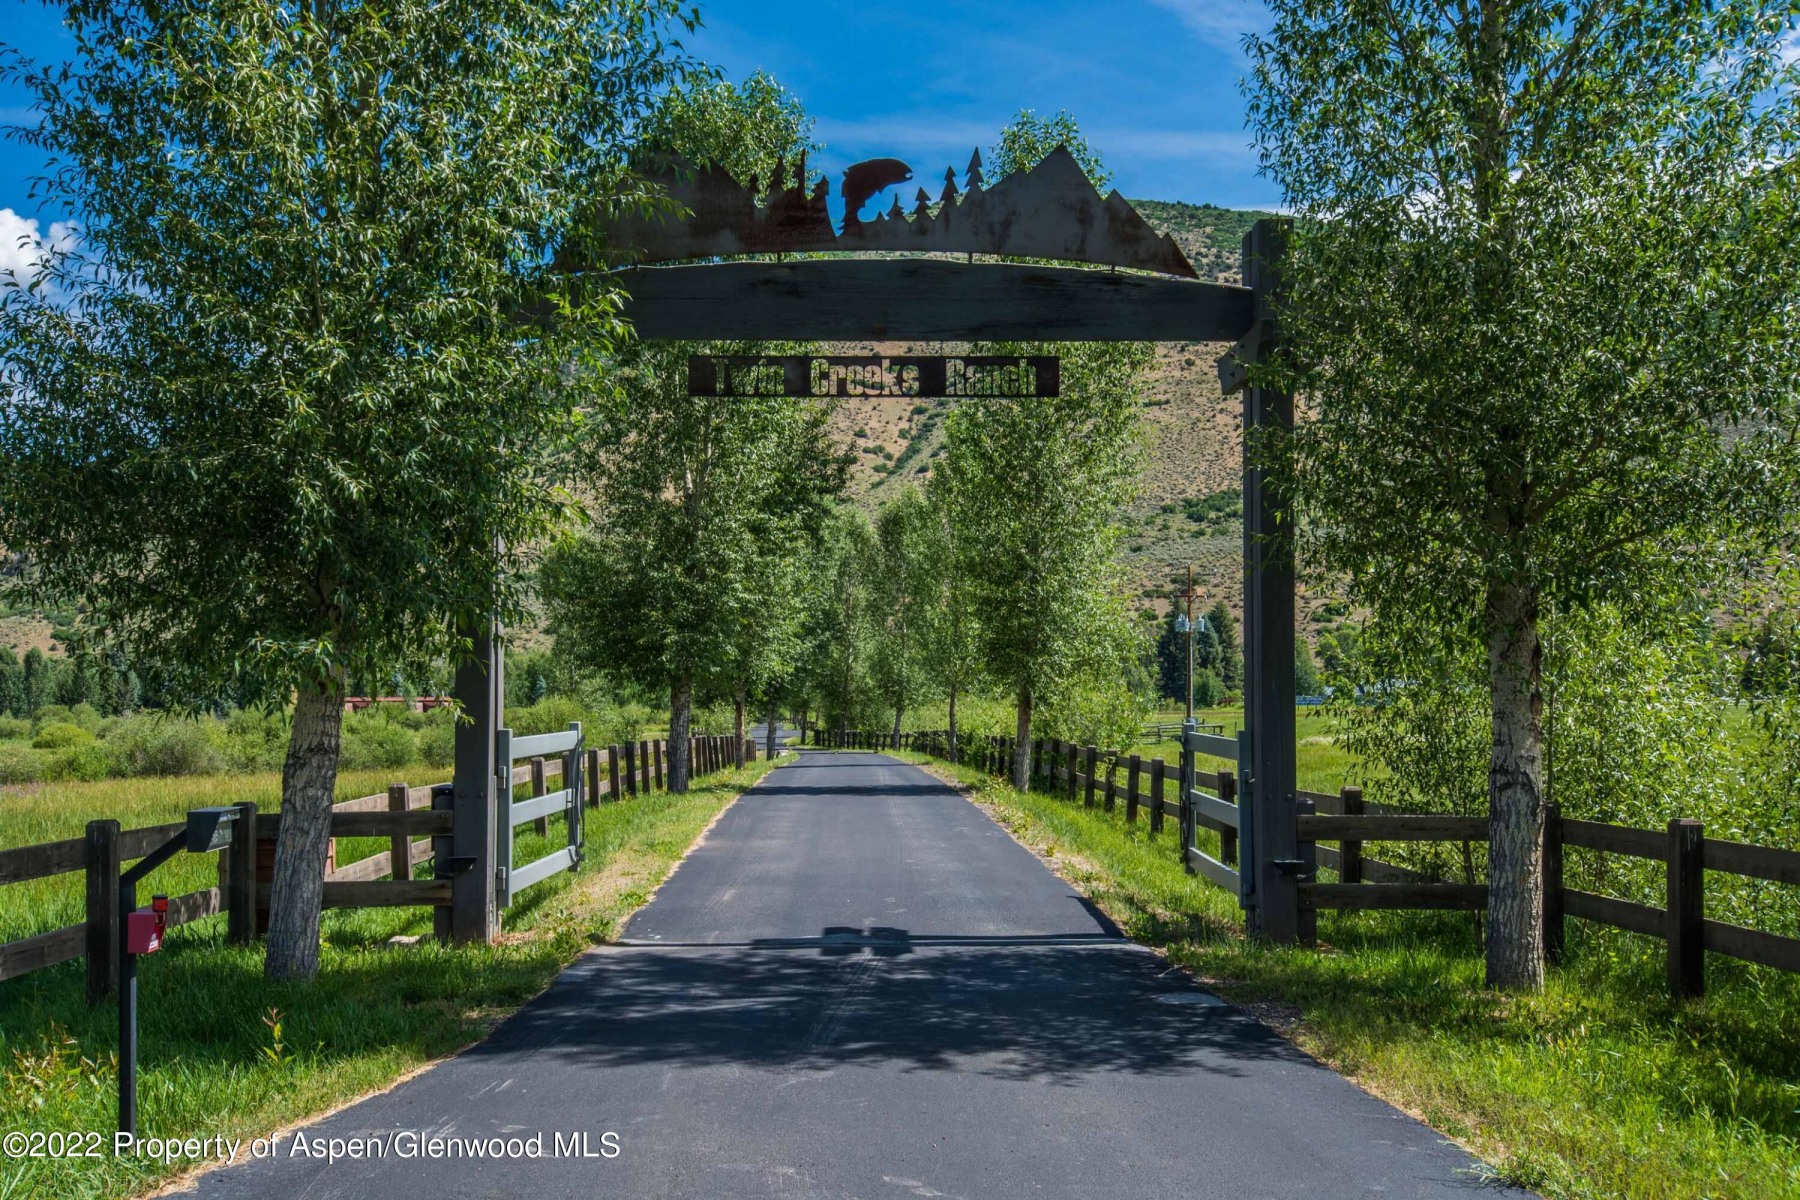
{"x": 1091, "y": 775}
{"x": 396, "y": 876}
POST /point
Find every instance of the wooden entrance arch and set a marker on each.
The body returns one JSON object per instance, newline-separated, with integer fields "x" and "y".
{"x": 682, "y": 286}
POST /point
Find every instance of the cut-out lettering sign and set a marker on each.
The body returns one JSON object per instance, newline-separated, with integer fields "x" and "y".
{"x": 1051, "y": 211}
{"x": 928, "y": 376}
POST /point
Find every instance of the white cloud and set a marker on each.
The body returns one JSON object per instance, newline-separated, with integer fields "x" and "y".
{"x": 1220, "y": 22}
{"x": 22, "y": 247}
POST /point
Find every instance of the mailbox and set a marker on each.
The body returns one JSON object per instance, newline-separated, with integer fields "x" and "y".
{"x": 144, "y": 927}
{"x": 210, "y": 829}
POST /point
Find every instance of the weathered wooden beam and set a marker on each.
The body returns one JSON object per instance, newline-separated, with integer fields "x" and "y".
{"x": 927, "y": 300}
{"x": 1234, "y": 364}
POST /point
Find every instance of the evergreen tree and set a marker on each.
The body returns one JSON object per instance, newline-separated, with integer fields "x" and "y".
{"x": 1306, "y": 672}
{"x": 1227, "y": 660}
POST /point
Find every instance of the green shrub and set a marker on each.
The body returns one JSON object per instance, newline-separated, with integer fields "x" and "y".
{"x": 53, "y": 714}
{"x": 61, "y": 737}
{"x": 253, "y": 740}
{"x": 154, "y": 744}
{"x": 88, "y": 761}
{"x": 371, "y": 741}
{"x": 14, "y": 729}
{"x": 20, "y": 764}
{"x": 437, "y": 744}
{"x": 550, "y": 715}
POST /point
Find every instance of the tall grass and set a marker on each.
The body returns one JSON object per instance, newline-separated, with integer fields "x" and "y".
{"x": 382, "y": 1004}
{"x": 46, "y": 812}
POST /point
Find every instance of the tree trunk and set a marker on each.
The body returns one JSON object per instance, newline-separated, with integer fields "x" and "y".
{"x": 1021, "y": 763}
{"x": 769, "y": 729}
{"x": 1515, "y": 941}
{"x": 308, "y": 787}
{"x": 681, "y": 709}
{"x": 952, "y": 747}
{"x": 897, "y": 711}
{"x": 737, "y": 745}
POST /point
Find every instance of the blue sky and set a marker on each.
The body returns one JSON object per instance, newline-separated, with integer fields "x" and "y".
{"x": 1154, "y": 84}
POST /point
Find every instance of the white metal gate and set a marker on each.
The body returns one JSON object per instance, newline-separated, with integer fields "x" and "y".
{"x": 511, "y": 880}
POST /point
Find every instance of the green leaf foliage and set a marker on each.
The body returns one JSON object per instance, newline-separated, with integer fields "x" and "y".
{"x": 272, "y": 411}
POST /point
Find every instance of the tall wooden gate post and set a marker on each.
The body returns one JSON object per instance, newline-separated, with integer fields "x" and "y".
{"x": 1269, "y": 616}
{"x": 479, "y": 689}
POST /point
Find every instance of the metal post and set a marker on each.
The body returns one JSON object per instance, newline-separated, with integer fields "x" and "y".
{"x": 1269, "y": 619}
{"x": 479, "y": 689}
{"x": 127, "y": 1016}
{"x": 1188, "y": 596}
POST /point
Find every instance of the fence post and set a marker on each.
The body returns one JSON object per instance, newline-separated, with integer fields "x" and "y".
{"x": 1184, "y": 802}
{"x": 1687, "y": 908}
{"x": 1228, "y": 838}
{"x": 1073, "y": 753}
{"x": 1553, "y": 883}
{"x": 1350, "y": 852}
{"x": 1091, "y": 759}
{"x": 1159, "y": 773}
{"x": 399, "y": 845}
{"x": 1308, "y": 854}
{"x": 102, "y": 909}
{"x": 443, "y": 799}
{"x": 538, "y": 788}
{"x": 612, "y": 772}
{"x": 1112, "y": 780}
{"x": 631, "y": 779}
{"x": 240, "y": 884}
{"x": 1135, "y": 767}
{"x": 656, "y": 753}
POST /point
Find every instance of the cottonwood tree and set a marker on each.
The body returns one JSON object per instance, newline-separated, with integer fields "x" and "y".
{"x": 1542, "y": 307}
{"x": 1039, "y": 485}
{"x": 752, "y": 130}
{"x": 905, "y": 587}
{"x": 952, "y": 650}
{"x": 841, "y": 613}
{"x": 270, "y": 414}
{"x": 698, "y": 508}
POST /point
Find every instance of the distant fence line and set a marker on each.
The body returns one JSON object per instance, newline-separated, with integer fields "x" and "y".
{"x": 387, "y": 878}
{"x": 1091, "y": 774}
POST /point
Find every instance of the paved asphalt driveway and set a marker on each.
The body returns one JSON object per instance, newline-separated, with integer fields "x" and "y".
{"x": 859, "y": 986}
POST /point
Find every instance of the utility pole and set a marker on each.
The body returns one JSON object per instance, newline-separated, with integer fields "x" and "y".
{"x": 1188, "y": 623}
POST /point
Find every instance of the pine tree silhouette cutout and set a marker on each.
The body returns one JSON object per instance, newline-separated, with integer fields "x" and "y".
{"x": 924, "y": 208}
{"x": 973, "y": 181}
{"x": 950, "y": 192}
{"x": 896, "y": 212}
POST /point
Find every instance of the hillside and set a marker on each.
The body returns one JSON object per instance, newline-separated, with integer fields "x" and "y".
{"x": 1190, "y": 433}
{"x": 1188, "y": 511}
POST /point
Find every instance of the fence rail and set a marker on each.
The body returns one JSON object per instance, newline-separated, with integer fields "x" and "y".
{"x": 384, "y": 879}
{"x": 1090, "y": 774}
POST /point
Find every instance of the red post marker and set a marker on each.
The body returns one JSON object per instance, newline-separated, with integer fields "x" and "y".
{"x": 144, "y": 927}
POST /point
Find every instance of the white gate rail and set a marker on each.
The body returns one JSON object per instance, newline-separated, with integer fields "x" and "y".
{"x": 511, "y": 880}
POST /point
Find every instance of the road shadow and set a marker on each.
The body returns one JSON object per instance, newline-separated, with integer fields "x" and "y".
{"x": 1027, "y": 1009}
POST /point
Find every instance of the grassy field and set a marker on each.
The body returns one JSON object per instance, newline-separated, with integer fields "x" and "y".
{"x": 1599, "y": 1087}
{"x": 223, "y": 1052}
{"x": 31, "y": 813}
{"x": 1322, "y": 765}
